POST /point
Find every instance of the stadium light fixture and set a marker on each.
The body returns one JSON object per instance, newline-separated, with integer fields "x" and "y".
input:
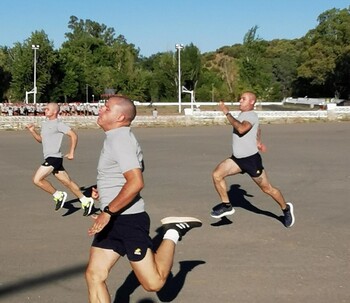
{"x": 35, "y": 47}
{"x": 179, "y": 47}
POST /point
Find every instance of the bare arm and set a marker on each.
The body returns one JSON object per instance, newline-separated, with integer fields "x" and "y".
{"x": 258, "y": 137}
{"x": 35, "y": 135}
{"x": 261, "y": 146}
{"x": 241, "y": 127}
{"x": 134, "y": 184}
{"x": 73, "y": 144}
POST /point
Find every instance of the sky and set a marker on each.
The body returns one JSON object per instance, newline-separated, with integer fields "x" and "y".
{"x": 156, "y": 26}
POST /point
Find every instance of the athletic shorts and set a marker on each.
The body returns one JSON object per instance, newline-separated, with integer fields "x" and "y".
{"x": 126, "y": 235}
{"x": 251, "y": 165}
{"x": 56, "y": 163}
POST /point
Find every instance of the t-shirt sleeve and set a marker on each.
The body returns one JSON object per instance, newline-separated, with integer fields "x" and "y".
{"x": 251, "y": 117}
{"x": 63, "y": 128}
{"x": 126, "y": 155}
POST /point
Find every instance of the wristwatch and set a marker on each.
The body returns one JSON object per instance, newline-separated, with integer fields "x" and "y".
{"x": 106, "y": 210}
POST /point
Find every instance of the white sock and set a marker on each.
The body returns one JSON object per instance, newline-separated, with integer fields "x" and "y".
{"x": 83, "y": 200}
{"x": 172, "y": 234}
{"x": 57, "y": 194}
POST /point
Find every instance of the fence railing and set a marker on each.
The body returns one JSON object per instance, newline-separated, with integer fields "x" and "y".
{"x": 196, "y": 118}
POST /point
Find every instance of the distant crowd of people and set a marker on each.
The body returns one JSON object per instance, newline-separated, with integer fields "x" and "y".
{"x": 66, "y": 109}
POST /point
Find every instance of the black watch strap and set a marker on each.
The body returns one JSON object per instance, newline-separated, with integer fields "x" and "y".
{"x": 106, "y": 210}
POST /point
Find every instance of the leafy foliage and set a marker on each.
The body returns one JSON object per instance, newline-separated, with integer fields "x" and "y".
{"x": 94, "y": 59}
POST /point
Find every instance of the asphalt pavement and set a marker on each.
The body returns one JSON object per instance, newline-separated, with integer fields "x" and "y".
{"x": 249, "y": 257}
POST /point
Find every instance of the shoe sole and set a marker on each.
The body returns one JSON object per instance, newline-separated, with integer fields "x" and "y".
{"x": 64, "y": 199}
{"x": 169, "y": 220}
{"x": 291, "y": 208}
{"x": 226, "y": 213}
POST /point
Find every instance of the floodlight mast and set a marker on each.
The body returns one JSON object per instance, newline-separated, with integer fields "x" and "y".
{"x": 179, "y": 47}
{"x": 35, "y": 48}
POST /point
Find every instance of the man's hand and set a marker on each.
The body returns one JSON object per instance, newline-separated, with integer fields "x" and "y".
{"x": 223, "y": 107}
{"x": 262, "y": 147}
{"x": 69, "y": 156}
{"x": 94, "y": 193}
{"x": 100, "y": 222}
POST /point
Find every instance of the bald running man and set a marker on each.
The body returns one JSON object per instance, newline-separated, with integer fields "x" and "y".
{"x": 246, "y": 144}
{"x": 52, "y": 132}
{"x": 123, "y": 226}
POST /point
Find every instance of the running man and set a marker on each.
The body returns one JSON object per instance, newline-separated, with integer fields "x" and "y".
{"x": 245, "y": 158}
{"x": 52, "y": 132}
{"x": 123, "y": 226}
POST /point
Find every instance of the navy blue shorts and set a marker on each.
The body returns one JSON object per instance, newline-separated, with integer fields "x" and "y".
{"x": 56, "y": 163}
{"x": 251, "y": 165}
{"x": 126, "y": 235}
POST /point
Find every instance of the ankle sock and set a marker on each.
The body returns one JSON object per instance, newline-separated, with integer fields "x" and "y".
{"x": 57, "y": 194}
{"x": 172, "y": 234}
{"x": 84, "y": 200}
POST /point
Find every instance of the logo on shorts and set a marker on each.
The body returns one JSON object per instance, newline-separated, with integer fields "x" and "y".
{"x": 258, "y": 172}
{"x": 137, "y": 251}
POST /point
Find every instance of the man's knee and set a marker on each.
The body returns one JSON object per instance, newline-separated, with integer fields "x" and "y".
{"x": 153, "y": 286}
{"x": 63, "y": 178}
{"x": 268, "y": 189}
{"x": 216, "y": 175}
{"x": 37, "y": 180}
{"x": 94, "y": 275}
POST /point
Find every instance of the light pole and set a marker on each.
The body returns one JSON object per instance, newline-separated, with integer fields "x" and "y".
{"x": 179, "y": 47}
{"x": 35, "y": 47}
{"x": 87, "y": 93}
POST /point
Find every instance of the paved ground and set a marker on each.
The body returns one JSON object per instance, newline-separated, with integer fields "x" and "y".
{"x": 249, "y": 258}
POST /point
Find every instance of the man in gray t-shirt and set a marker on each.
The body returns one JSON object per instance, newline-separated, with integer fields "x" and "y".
{"x": 123, "y": 226}
{"x": 51, "y": 135}
{"x": 246, "y": 143}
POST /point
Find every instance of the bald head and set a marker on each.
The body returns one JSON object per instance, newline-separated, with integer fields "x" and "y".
{"x": 52, "y": 110}
{"x": 251, "y": 96}
{"x": 125, "y": 106}
{"x": 118, "y": 111}
{"x": 247, "y": 101}
{"x": 53, "y": 107}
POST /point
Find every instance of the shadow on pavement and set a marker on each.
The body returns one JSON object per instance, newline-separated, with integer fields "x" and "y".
{"x": 172, "y": 286}
{"x": 14, "y": 288}
{"x": 237, "y": 198}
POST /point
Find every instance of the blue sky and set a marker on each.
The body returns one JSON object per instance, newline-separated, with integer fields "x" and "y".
{"x": 157, "y": 25}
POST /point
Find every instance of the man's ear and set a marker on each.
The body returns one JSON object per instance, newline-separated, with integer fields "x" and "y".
{"x": 120, "y": 118}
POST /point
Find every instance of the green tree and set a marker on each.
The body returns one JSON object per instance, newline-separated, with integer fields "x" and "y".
{"x": 284, "y": 58}
{"x": 94, "y": 57}
{"x": 254, "y": 72}
{"x": 324, "y": 46}
{"x": 22, "y": 61}
{"x": 5, "y": 74}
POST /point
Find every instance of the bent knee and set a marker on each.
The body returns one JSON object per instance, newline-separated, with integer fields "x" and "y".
{"x": 153, "y": 286}
{"x": 95, "y": 276}
{"x": 216, "y": 175}
{"x": 36, "y": 181}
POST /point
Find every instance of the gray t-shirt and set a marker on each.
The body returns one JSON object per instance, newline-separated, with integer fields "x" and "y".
{"x": 246, "y": 145}
{"x": 120, "y": 153}
{"x": 52, "y": 132}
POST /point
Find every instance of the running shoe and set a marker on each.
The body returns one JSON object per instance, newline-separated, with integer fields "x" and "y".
{"x": 87, "y": 207}
{"x": 181, "y": 224}
{"x": 222, "y": 210}
{"x": 60, "y": 200}
{"x": 289, "y": 218}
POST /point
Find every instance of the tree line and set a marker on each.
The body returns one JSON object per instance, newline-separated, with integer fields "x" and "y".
{"x": 95, "y": 61}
